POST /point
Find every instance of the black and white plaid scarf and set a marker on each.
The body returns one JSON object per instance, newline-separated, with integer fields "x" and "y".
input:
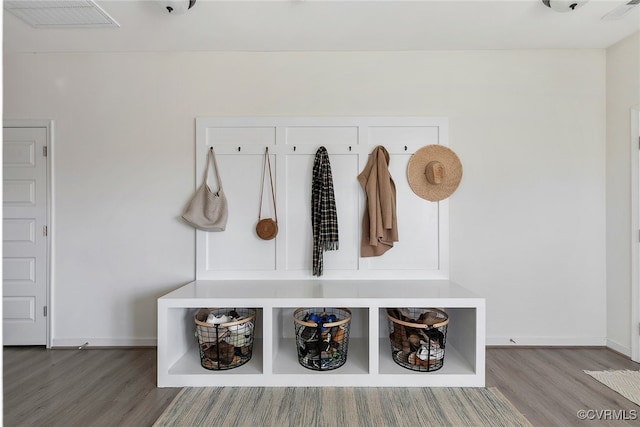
{"x": 324, "y": 217}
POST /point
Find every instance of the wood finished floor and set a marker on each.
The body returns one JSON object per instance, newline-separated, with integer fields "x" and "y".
{"x": 117, "y": 387}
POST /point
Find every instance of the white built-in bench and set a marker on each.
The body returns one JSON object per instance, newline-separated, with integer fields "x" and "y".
{"x": 274, "y": 361}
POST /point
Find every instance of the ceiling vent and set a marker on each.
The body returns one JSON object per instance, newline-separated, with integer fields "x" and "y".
{"x": 621, "y": 10}
{"x": 60, "y": 14}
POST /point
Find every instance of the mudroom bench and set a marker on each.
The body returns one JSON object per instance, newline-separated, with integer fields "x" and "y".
{"x": 274, "y": 359}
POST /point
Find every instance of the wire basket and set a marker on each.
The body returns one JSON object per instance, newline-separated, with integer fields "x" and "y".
{"x": 225, "y": 336}
{"x": 322, "y": 337}
{"x": 418, "y": 337}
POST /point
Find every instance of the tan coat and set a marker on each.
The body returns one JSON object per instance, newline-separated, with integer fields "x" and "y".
{"x": 379, "y": 223}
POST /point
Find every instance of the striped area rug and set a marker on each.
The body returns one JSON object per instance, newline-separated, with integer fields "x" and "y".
{"x": 343, "y": 407}
{"x": 627, "y": 383}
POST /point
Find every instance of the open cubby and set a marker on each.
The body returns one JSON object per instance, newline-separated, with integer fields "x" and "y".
{"x": 274, "y": 360}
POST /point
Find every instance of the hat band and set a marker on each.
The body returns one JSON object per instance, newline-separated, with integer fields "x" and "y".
{"x": 435, "y": 172}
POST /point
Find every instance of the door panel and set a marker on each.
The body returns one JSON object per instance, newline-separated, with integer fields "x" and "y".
{"x": 25, "y": 248}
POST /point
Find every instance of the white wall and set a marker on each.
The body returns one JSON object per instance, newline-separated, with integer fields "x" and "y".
{"x": 527, "y": 222}
{"x": 623, "y": 93}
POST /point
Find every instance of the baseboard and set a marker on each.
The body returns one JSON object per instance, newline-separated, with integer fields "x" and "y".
{"x": 619, "y": 348}
{"x": 547, "y": 341}
{"x": 491, "y": 341}
{"x": 102, "y": 342}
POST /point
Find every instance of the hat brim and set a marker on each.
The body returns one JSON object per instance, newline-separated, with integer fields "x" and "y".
{"x": 418, "y": 179}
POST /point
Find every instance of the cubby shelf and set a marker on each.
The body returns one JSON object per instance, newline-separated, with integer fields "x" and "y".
{"x": 274, "y": 361}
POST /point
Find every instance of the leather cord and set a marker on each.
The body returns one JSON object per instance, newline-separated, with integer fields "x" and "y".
{"x": 267, "y": 163}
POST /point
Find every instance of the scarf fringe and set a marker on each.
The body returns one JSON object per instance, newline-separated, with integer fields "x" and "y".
{"x": 330, "y": 246}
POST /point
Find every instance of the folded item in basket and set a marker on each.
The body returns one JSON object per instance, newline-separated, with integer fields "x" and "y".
{"x": 435, "y": 335}
{"x": 307, "y": 334}
{"x": 241, "y": 329}
{"x": 216, "y": 320}
{"x": 429, "y": 352}
{"x": 240, "y": 335}
{"x": 221, "y": 352}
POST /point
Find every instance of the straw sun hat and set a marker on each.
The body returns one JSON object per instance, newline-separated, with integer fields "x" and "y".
{"x": 434, "y": 172}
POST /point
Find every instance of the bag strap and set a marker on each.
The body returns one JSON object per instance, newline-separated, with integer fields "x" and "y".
{"x": 267, "y": 162}
{"x": 212, "y": 155}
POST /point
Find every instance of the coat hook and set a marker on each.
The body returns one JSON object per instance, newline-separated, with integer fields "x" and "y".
{"x": 294, "y": 148}
{"x": 211, "y": 148}
{"x": 239, "y": 148}
{"x": 266, "y": 149}
{"x": 349, "y": 148}
{"x": 405, "y": 148}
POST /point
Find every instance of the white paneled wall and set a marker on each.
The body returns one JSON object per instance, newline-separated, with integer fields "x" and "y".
{"x": 422, "y": 250}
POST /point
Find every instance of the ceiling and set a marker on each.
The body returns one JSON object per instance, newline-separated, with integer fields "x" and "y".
{"x": 326, "y": 25}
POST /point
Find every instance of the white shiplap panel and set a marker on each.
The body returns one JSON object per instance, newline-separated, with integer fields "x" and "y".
{"x": 238, "y": 248}
{"x": 299, "y": 240}
{"x": 237, "y": 253}
{"x": 241, "y": 135}
{"x": 418, "y": 245}
{"x": 396, "y": 138}
{"x": 322, "y": 135}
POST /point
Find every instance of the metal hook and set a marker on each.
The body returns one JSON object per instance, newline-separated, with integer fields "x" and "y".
{"x": 349, "y": 148}
{"x": 266, "y": 149}
{"x": 294, "y": 148}
{"x": 405, "y": 148}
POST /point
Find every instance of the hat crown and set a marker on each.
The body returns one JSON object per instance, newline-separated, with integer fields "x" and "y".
{"x": 435, "y": 172}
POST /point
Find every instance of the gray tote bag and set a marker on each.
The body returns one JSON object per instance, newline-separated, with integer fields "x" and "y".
{"x": 208, "y": 211}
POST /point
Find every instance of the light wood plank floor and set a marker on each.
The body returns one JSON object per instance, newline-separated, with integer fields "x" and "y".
{"x": 117, "y": 387}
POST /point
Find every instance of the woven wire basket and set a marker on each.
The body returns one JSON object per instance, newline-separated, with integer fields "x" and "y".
{"x": 225, "y": 345}
{"x": 322, "y": 337}
{"x": 418, "y": 337}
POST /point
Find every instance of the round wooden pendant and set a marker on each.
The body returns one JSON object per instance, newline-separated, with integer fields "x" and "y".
{"x": 267, "y": 229}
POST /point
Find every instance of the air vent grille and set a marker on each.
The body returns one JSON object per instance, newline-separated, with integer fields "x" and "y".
{"x": 621, "y": 10}
{"x": 60, "y": 14}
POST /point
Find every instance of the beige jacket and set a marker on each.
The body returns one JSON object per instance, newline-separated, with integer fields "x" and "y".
{"x": 379, "y": 223}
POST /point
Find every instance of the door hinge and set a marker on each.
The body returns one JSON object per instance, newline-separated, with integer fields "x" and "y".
{"x": 44, "y": 311}
{"x": 45, "y": 231}
{"x": 44, "y": 151}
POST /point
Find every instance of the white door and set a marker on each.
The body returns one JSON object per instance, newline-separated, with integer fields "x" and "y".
{"x": 25, "y": 248}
